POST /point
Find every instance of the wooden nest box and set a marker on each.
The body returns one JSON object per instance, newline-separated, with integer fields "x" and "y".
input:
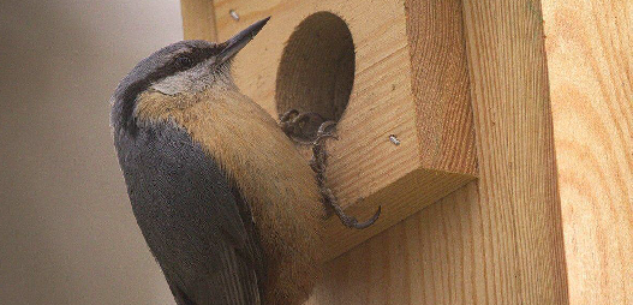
{"x": 405, "y": 141}
{"x": 534, "y": 98}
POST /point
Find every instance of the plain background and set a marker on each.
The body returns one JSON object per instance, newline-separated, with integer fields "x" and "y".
{"x": 67, "y": 233}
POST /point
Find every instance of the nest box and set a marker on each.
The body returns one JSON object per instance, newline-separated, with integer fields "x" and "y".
{"x": 397, "y": 85}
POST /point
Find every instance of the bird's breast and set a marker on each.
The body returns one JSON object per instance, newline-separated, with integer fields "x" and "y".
{"x": 256, "y": 155}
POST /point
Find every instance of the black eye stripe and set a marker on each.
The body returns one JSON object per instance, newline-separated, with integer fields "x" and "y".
{"x": 191, "y": 58}
{"x": 184, "y": 61}
{"x": 195, "y": 56}
{"x": 137, "y": 85}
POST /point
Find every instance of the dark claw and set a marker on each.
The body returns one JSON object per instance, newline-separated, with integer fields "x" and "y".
{"x": 286, "y": 116}
{"x": 352, "y": 222}
{"x": 323, "y": 132}
{"x": 301, "y": 127}
{"x": 318, "y": 163}
{"x": 325, "y": 126}
{"x": 369, "y": 222}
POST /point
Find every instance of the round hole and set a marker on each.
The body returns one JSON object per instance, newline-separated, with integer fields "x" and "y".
{"x": 316, "y": 73}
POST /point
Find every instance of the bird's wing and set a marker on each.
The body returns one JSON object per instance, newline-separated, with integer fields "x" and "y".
{"x": 197, "y": 226}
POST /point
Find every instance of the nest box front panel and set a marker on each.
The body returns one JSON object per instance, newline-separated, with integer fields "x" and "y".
{"x": 349, "y": 61}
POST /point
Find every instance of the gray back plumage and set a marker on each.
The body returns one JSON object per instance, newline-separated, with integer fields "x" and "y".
{"x": 196, "y": 225}
{"x": 195, "y": 222}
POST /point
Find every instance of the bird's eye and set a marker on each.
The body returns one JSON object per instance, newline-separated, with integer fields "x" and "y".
{"x": 184, "y": 61}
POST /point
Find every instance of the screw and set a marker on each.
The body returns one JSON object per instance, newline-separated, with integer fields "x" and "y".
{"x": 234, "y": 14}
{"x": 394, "y": 140}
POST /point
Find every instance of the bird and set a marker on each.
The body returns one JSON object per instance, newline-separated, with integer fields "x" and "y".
{"x": 227, "y": 205}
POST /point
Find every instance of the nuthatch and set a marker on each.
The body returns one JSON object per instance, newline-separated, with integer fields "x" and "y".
{"x": 226, "y": 203}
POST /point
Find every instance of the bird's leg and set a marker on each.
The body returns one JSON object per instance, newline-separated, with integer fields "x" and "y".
{"x": 318, "y": 164}
{"x": 286, "y": 119}
{"x": 300, "y": 127}
{"x": 312, "y": 129}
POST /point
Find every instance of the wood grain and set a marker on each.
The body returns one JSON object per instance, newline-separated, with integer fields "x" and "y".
{"x": 498, "y": 240}
{"x": 518, "y": 186}
{"x": 438, "y": 256}
{"x": 441, "y": 86}
{"x": 419, "y": 187}
{"x": 198, "y": 19}
{"x": 589, "y": 48}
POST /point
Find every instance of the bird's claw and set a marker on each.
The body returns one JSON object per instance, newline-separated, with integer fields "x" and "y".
{"x": 319, "y": 154}
{"x": 301, "y": 127}
{"x": 351, "y": 222}
{"x": 318, "y": 164}
{"x": 346, "y": 220}
{"x": 326, "y": 130}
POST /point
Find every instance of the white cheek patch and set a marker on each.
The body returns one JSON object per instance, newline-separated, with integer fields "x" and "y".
{"x": 196, "y": 79}
{"x": 171, "y": 85}
{"x": 192, "y": 80}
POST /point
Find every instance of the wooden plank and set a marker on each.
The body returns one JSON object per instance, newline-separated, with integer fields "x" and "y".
{"x": 441, "y": 86}
{"x": 427, "y": 186}
{"x": 589, "y": 48}
{"x": 198, "y": 19}
{"x": 440, "y": 255}
{"x": 498, "y": 240}
{"x": 436, "y": 154}
{"x": 518, "y": 189}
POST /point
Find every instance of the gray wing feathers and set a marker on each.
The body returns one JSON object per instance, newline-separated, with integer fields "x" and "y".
{"x": 224, "y": 287}
{"x": 196, "y": 226}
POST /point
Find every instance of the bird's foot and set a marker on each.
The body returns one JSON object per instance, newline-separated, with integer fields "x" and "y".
{"x": 310, "y": 128}
{"x": 319, "y": 154}
{"x": 318, "y": 164}
{"x": 301, "y": 127}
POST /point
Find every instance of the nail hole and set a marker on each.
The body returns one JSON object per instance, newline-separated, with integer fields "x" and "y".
{"x": 316, "y": 73}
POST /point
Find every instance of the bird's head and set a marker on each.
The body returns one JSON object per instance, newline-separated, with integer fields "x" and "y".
{"x": 185, "y": 67}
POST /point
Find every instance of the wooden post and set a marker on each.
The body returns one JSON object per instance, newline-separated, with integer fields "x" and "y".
{"x": 198, "y": 19}
{"x": 545, "y": 88}
{"x": 589, "y": 47}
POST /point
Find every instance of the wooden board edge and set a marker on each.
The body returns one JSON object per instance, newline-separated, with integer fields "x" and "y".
{"x": 413, "y": 192}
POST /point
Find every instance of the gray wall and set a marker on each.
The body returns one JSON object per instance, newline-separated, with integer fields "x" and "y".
{"x": 67, "y": 233}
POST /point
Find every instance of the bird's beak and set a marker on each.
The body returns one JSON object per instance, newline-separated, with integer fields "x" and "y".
{"x": 239, "y": 41}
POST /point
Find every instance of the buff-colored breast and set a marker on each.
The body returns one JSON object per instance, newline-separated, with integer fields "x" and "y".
{"x": 268, "y": 170}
